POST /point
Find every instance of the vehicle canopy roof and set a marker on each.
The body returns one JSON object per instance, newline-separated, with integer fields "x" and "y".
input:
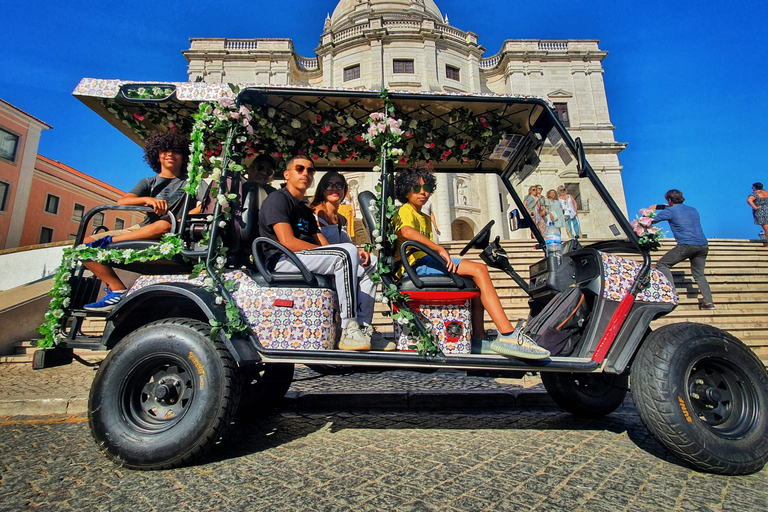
{"x": 509, "y": 135}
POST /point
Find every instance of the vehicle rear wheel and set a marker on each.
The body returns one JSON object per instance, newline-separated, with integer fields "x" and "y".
{"x": 586, "y": 395}
{"x": 163, "y": 396}
{"x": 263, "y": 387}
{"x": 702, "y": 393}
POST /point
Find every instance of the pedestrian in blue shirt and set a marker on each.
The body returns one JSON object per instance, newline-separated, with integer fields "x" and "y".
{"x": 691, "y": 243}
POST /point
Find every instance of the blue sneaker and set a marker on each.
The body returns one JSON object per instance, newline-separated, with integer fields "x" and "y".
{"x": 101, "y": 243}
{"x": 107, "y": 303}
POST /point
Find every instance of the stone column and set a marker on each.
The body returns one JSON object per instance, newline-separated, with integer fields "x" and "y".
{"x": 441, "y": 205}
{"x": 494, "y": 205}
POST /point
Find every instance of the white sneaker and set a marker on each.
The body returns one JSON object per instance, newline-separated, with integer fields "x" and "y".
{"x": 378, "y": 341}
{"x": 519, "y": 345}
{"x": 353, "y": 338}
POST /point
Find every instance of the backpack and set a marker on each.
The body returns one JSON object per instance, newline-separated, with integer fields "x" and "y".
{"x": 558, "y": 327}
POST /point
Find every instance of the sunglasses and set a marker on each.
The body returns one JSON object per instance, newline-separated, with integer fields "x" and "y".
{"x": 427, "y": 188}
{"x": 301, "y": 168}
{"x": 269, "y": 171}
{"x": 335, "y": 186}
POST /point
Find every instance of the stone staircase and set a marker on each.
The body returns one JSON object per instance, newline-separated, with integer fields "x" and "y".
{"x": 737, "y": 271}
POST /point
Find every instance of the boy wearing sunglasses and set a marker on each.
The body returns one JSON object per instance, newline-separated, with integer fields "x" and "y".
{"x": 413, "y": 188}
{"x": 286, "y": 219}
{"x": 261, "y": 171}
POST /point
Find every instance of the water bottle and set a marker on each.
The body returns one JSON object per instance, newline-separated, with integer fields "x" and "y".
{"x": 554, "y": 242}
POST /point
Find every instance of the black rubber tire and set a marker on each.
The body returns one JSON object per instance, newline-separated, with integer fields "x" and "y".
{"x": 702, "y": 393}
{"x": 263, "y": 387}
{"x": 586, "y": 395}
{"x": 163, "y": 396}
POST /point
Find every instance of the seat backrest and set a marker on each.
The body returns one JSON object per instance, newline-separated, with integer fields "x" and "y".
{"x": 253, "y": 197}
{"x": 366, "y": 199}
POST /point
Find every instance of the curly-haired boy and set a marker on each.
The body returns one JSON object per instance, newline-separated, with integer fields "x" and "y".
{"x": 168, "y": 155}
{"x": 413, "y": 188}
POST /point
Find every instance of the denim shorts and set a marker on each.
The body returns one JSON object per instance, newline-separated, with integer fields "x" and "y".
{"x": 428, "y": 266}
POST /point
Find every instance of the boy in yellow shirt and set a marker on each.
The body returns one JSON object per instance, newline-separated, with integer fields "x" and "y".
{"x": 413, "y": 188}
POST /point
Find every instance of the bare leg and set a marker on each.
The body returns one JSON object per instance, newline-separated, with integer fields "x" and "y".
{"x": 107, "y": 274}
{"x": 490, "y": 299}
{"x": 765, "y": 233}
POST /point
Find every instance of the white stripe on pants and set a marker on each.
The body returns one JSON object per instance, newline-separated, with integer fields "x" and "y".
{"x": 338, "y": 260}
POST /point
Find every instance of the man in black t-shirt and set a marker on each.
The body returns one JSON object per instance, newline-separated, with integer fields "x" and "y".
{"x": 286, "y": 219}
{"x": 168, "y": 155}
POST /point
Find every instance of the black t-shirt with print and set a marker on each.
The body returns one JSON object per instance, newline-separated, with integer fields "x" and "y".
{"x": 281, "y": 207}
{"x": 171, "y": 190}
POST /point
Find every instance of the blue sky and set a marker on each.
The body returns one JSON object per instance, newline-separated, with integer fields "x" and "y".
{"x": 685, "y": 80}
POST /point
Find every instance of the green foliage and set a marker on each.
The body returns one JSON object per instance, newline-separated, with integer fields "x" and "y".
{"x": 170, "y": 245}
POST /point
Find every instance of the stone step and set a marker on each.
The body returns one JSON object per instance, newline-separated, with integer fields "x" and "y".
{"x": 27, "y": 349}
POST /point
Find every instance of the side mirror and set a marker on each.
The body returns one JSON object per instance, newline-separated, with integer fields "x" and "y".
{"x": 514, "y": 220}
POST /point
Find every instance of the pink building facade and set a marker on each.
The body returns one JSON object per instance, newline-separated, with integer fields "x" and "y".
{"x": 19, "y": 139}
{"x": 43, "y": 200}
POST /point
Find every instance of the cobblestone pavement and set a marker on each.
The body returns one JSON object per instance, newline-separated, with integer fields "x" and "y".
{"x": 522, "y": 459}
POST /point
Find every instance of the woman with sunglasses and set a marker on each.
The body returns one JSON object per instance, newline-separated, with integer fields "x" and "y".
{"x": 413, "y": 187}
{"x": 286, "y": 219}
{"x": 329, "y": 195}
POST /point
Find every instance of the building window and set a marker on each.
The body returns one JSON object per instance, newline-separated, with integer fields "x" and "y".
{"x": 78, "y": 212}
{"x": 5, "y": 188}
{"x": 561, "y": 111}
{"x": 575, "y": 191}
{"x": 98, "y": 219}
{"x": 452, "y": 73}
{"x": 119, "y": 224}
{"x": 403, "y": 66}
{"x": 52, "y": 204}
{"x": 46, "y": 235}
{"x": 9, "y": 145}
{"x": 352, "y": 73}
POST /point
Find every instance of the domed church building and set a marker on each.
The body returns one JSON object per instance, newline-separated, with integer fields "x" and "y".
{"x": 410, "y": 45}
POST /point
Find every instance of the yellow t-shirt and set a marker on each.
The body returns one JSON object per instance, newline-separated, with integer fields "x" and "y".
{"x": 408, "y": 216}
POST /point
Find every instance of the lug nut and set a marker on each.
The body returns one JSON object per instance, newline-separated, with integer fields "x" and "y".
{"x": 699, "y": 382}
{"x": 695, "y": 395}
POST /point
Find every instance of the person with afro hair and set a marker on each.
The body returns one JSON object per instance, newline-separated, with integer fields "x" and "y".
{"x": 412, "y": 188}
{"x": 167, "y": 154}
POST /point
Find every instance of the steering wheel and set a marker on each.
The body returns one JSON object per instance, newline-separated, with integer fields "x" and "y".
{"x": 480, "y": 240}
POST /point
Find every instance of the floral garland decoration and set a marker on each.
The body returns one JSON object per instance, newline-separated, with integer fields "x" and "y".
{"x": 170, "y": 246}
{"x": 225, "y": 128}
{"x": 649, "y": 235}
{"x": 384, "y": 132}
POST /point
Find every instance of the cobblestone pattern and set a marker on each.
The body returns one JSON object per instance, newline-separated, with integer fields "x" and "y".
{"x": 393, "y": 461}
{"x": 20, "y": 381}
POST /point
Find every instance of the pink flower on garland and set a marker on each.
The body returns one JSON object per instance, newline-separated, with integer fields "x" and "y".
{"x": 325, "y": 129}
{"x": 138, "y": 116}
{"x": 484, "y": 122}
{"x": 429, "y": 145}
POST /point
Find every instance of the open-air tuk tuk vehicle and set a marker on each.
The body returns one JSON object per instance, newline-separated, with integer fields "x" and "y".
{"x": 211, "y": 327}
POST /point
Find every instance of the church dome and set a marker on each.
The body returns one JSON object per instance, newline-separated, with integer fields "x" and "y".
{"x": 349, "y": 12}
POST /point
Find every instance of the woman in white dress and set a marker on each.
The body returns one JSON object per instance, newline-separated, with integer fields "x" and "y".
{"x": 568, "y": 205}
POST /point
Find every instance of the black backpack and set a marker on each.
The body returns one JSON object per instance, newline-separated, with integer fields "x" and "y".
{"x": 558, "y": 327}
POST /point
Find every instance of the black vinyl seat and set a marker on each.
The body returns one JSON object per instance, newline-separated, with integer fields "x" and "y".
{"x": 409, "y": 282}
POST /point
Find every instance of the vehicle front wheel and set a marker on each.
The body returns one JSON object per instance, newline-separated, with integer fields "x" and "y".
{"x": 586, "y": 395}
{"x": 702, "y": 393}
{"x": 163, "y": 396}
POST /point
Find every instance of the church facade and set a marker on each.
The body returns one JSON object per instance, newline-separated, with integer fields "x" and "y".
{"x": 410, "y": 45}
